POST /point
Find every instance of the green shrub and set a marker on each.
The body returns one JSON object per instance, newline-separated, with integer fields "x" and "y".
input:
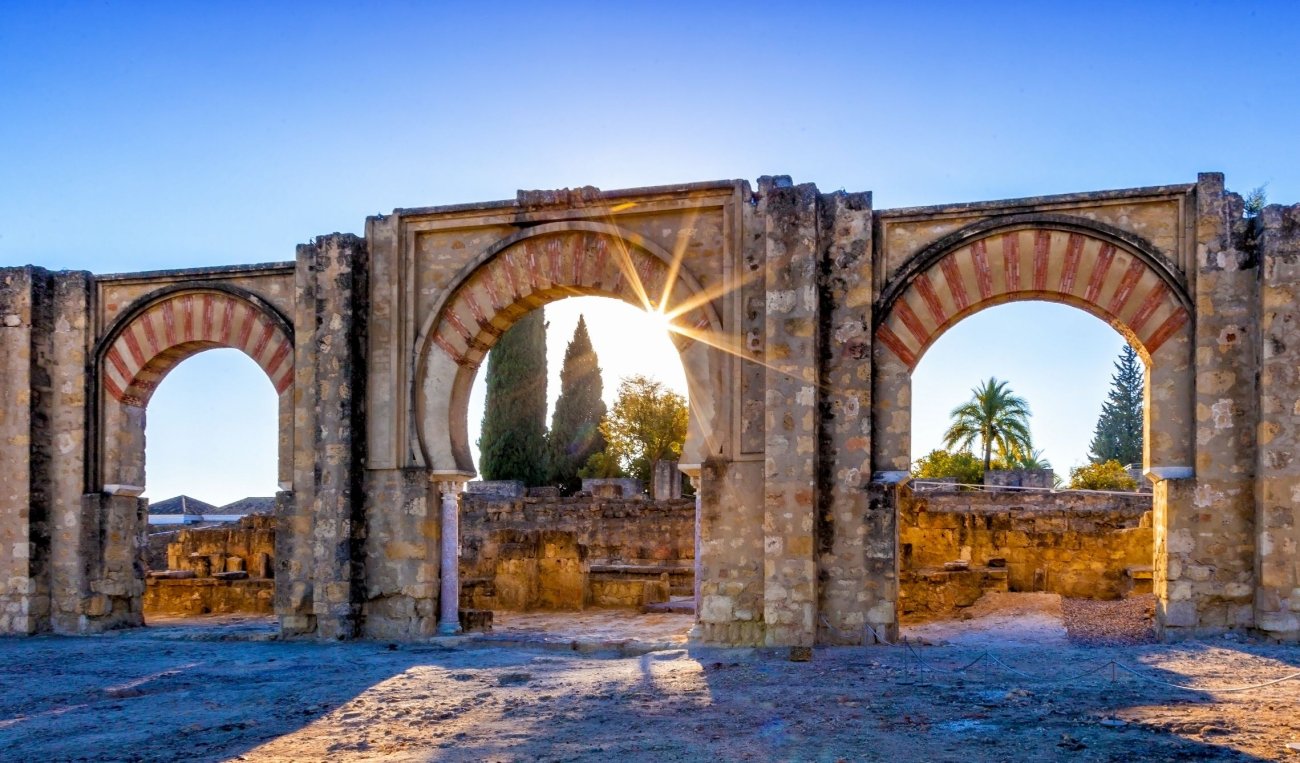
{"x": 938, "y": 464}
{"x": 1108, "y": 475}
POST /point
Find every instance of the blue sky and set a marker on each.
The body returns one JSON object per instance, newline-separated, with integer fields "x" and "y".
{"x": 159, "y": 135}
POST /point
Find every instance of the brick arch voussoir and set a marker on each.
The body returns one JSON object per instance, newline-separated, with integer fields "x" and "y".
{"x": 1031, "y": 258}
{"x": 153, "y": 336}
{"x": 554, "y": 262}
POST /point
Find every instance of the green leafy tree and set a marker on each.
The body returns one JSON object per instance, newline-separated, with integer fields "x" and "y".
{"x": 513, "y": 440}
{"x": 995, "y": 417}
{"x": 603, "y": 465}
{"x": 940, "y": 464}
{"x": 1108, "y": 475}
{"x": 575, "y": 427}
{"x": 647, "y": 424}
{"x": 1118, "y": 436}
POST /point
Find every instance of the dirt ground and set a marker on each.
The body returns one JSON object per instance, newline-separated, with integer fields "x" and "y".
{"x": 587, "y": 690}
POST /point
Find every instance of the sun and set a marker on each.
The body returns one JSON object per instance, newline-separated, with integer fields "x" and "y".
{"x": 658, "y": 319}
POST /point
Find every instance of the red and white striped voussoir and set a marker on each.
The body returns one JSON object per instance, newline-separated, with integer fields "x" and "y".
{"x": 171, "y": 330}
{"x": 537, "y": 271}
{"x": 1052, "y": 265}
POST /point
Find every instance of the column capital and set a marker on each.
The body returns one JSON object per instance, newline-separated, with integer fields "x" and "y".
{"x": 450, "y": 479}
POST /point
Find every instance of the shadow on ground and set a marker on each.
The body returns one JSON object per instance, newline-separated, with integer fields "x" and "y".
{"x": 175, "y": 694}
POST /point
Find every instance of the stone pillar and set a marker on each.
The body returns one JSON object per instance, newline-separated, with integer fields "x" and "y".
{"x": 891, "y": 414}
{"x": 1277, "y": 515}
{"x": 855, "y": 546}
{"x": 692, "y": 472}
{"x": 666, "y": 482}
{"x": 116, "y": 587}
{"x": 24, "y": 576}
{"x": 450, "y": 485}
{"x": 791, "y": 329}
{"x": 43, "y": 382}
{"x": 1209, "y": 534}
{"x": 401, "y": 572}
{"x": 326, "y": 586}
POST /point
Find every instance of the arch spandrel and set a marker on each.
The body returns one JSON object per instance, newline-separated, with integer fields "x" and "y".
{"x": 537, "y": 267}
{"x": 1092, "y": 272}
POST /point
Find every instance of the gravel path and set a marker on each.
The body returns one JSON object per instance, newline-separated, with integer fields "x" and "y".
{"x": 1110, "y": 623}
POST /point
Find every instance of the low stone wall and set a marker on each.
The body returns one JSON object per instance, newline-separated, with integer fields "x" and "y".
{"x": 572, "y": 553}
{"x": 953, "y": 545}
{"x": 208, "y": 596}
{"x": 244, "y": 547}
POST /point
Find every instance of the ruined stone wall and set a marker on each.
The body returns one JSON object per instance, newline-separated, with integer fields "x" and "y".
{"x": 50, "y": 558}
{"x": 1074, "y": 544}
{"x": 208, "y": 596}
{"x": 247, "y": 546}
{"x": 319, "y": 533}
{"x": 1277, "y": 519}
{"x": 570, "y": 553}
{"x": 1205, "y": 525}
{"x": 800, "y": 427}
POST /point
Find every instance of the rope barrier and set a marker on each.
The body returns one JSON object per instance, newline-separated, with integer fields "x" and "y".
{"x": 1112, "y": 664}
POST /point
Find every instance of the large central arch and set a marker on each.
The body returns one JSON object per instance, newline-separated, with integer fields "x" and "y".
{"x": 526, "y": 271}
{"x": 1056, "y": 258}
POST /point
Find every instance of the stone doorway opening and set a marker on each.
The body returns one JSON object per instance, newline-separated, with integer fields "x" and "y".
{"x": 1012, "y": 554}
{"x": 209, "y": 549}
{"x": 608, "y": 554}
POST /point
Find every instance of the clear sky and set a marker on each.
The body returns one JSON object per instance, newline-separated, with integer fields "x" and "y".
{"x": 161, "y": 135}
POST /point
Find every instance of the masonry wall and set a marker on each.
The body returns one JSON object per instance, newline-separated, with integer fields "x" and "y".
{"x": 1277, "y": 518}
{"x": 1073, "y": 544}
{"x": 248, "y": 546}
{"x": 573, "y": 553}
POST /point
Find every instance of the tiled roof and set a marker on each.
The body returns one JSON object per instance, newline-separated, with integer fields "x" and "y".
{"x": 249, "y": 505}
{"x": 182, "y": 504}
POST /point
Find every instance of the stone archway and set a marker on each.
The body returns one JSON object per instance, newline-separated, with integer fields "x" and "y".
{"x": 1047, "y": 258}
{"x": 139, "y": 349}
{"x": 528, "y": 270}
{"x": 152, "y": 337}
{"x": 1052, "y": 258}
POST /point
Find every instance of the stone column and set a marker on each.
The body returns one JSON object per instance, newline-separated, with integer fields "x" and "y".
{"x": 791, "y": 421}
{"x": 450, "y": 485}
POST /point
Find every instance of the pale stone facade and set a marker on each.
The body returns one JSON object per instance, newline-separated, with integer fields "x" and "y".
{"x": 801, "y": 317}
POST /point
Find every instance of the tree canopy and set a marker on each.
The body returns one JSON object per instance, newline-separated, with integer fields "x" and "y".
{"x": 575, "y": 426}
{"x": 1107, "y": 475}
{"x": 512, "y": 444}
{"x": 997, "y": 418}
{"x": 647, "y": 424}
{"x": 1118, "y": 436}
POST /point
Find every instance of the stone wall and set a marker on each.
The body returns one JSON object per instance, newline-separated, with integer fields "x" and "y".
{"x": 244, "y": 546}
{"x": 954, "y": 544}
{"x": 208, "y": 596}
{"x": 802, "y": 315}
{"x": 1277, "y": 519}
{"x": 572, "y": 553}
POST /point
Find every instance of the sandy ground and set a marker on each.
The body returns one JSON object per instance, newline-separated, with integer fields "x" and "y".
{"x": 224, "y": 690}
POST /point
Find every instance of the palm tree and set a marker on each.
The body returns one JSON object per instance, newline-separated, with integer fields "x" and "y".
{"x": 997, "y": 417}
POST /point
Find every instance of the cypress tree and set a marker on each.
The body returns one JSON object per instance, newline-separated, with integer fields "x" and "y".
{"x": 1118, "y": 436}
{"x": 512, "y": 444}
{"x": 575, "y": 427}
